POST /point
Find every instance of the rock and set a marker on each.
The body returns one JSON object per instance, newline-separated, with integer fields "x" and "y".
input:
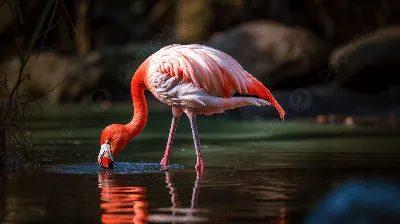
{"x": 369, "y": 64}
{"x": 60, "y": 78}
{"x": 278, "y": 55}
{"x": 52, "y": 77}
{"x": 359, "y": 201}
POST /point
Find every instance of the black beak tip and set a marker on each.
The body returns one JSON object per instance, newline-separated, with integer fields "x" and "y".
{"x": 110, "y": 166}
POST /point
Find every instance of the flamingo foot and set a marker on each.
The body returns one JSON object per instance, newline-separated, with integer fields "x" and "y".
{"x": 164, "y": 162}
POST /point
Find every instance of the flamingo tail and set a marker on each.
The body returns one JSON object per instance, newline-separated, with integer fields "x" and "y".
{"x": 261, "y": 91}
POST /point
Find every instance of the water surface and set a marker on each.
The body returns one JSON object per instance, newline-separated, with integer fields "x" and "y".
{"x": 256, "y": 171}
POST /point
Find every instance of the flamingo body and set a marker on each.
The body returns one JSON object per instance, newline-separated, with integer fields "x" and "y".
{"x": 203, "y": 80}
{"x": 192, "y": 79}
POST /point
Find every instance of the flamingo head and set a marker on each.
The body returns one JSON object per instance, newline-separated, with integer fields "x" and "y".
{"x": 112, "y": 141}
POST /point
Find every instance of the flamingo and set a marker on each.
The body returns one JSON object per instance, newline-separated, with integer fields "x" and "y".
{"x": 192, "y": 79}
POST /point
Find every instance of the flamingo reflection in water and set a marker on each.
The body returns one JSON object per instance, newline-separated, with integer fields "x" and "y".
{"x": 128, "y": 204}
{"x": 186, "y": 214}
{"x": 118, "y": 201}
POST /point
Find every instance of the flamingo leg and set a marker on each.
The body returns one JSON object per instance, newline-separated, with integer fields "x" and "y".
{"x": 176, "y": 115}
{"x": 193, "y": 124}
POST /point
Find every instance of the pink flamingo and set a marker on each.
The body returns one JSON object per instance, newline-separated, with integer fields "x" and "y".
{"x": 194, "y": 79}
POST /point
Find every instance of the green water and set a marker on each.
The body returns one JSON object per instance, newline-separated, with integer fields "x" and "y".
{"x": 256, "y": 171}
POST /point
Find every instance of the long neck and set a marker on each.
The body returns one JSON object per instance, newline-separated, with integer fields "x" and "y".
{"x": 139, "y": 105}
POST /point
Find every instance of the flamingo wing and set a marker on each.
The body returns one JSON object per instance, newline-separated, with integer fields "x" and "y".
{"x": 208, "y": 69}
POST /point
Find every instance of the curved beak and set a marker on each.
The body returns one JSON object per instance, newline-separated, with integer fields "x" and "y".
{"x": 105, "y": 158}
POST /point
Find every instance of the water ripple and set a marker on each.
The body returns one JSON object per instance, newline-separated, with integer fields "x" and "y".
{"x": 119, "y": 168}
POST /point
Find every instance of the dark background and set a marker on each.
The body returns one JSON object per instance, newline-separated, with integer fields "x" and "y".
{"x": 337, "y": 50}
{"x": 334, "y": 63}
